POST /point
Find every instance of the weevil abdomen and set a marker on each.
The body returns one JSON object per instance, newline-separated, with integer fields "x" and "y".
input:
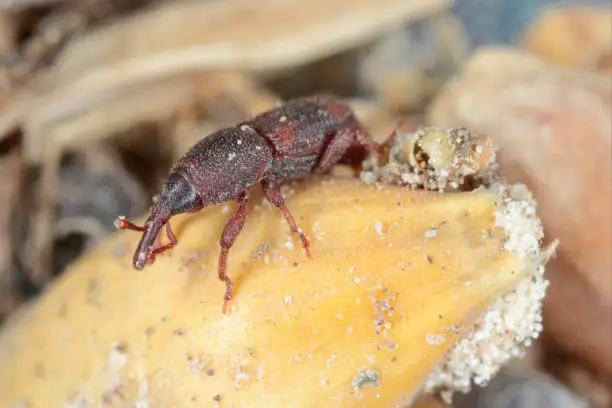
{"x": 292, "y": 168}
{"x": 302, "y": 126}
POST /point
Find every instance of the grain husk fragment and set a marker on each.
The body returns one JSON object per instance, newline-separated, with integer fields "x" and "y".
{"x": 574, "y": 36}
{"x": 10, "y": 163}
{"x": 190, "y": 37}
{"x": 436, "y": 159}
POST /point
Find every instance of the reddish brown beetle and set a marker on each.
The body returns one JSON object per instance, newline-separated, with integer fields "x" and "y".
{"x": 305, "y": 135}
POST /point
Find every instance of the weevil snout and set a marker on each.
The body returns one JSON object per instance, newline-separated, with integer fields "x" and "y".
{"x": 150, "y": 243}
{"x": 144, "y": 253}
{"x": 139, "y": 264}
{"x": 142, "y": 260}
{"x": 177, "y": 196}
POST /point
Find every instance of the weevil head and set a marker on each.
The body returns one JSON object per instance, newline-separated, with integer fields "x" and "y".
{"x": 177, "y": 196}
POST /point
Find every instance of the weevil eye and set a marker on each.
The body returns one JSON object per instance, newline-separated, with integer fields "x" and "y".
{"x": 179, "y": 196}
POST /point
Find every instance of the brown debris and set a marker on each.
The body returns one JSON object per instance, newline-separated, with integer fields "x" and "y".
{"x": 186, "y": 37}
{"x": 24, "y": 4}
{"x": 151, "y": 102}
{"x": 407, "y": 67}
{"x": 521, "y": 388}
{"x": 583, "y": 328}
{"x": 591, "y": 385}
{"x": 574, "y": 37}
{"x": 7, "y": 32}
{"x": 55, "y": 30}
{"x": 224, "y": 37}
{"x": 10, "y": 165}
{"x": 428, "y": 402}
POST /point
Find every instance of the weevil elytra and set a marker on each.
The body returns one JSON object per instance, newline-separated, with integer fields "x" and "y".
{"x": 305, "y": 135}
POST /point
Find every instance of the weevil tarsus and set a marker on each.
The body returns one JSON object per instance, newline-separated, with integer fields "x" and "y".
{"x": 273, "y": 195}
{"x": 230, "y": 232}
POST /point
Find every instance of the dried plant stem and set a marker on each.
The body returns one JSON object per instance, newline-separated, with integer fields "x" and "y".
{"x": 24, "y": 4}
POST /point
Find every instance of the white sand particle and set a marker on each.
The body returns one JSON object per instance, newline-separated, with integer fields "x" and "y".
{"x": 515, "y": 318}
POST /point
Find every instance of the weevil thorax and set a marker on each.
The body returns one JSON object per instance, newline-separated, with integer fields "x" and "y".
{"x": 226, "y": 163}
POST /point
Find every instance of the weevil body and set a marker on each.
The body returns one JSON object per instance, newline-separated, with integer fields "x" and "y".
{"x": 305, "y": 135}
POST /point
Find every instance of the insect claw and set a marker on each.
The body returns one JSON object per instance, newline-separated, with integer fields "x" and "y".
{"x": 226, "y": 302}
{"x": 119, "y": 222}
{"x": 305, "y": 244}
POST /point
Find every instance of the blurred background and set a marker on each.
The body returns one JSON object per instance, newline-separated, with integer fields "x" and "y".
{"x": 99, "y": 97}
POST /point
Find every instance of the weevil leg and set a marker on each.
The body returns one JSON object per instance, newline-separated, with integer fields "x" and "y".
{"x": 230, "y": 232}
{"x": 166, "y": 247}
{"x": 335, "y": 150}
{"x": 122, "y": 223}
{"x": 370, "y": 145}
{"x": 273, "y": 194}
{"x": 389, "y": 141}
{"x": 363, "y": 146}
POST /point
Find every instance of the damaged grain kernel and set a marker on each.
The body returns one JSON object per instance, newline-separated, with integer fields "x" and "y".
{"x": 259, "y": 340}
{"x": 457, "y": 160}
{"x": 514, "y": 320}
{"x": 436, "y": 159}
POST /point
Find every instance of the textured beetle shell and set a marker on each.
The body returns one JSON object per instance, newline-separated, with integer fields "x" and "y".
{"x": 284, "y": 143}
{"x": 292, "y": 168}
{"x": 302, "y": 126}
{"x": 226, "y": 163}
